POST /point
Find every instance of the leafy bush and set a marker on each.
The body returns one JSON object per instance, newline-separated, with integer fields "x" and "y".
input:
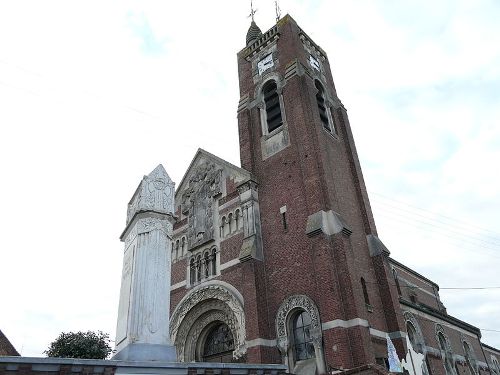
{"x": 88, "y": 345}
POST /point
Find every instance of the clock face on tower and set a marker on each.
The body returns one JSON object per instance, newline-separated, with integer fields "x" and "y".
{"x": 266, "y": 63}
{"x": 314, "y": 63}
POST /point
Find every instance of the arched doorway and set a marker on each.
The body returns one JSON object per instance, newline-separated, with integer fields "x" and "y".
{"x": 218, "y": 345}
{"x": 199, "y": 314}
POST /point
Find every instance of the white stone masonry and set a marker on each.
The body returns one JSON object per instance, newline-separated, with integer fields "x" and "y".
{"x": 142, "y": 332}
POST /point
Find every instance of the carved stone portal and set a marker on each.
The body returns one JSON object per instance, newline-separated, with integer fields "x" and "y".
{"x": 199, "y": 310}
{"x": 285, "y": 314}
{"x": 197, "y": 203}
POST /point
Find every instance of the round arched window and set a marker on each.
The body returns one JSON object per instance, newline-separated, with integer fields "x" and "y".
{"x": 302, "y": 341}
{"x": 219, "y": 344}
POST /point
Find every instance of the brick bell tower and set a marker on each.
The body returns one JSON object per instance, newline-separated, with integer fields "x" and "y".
{"x": 320, "y": 250}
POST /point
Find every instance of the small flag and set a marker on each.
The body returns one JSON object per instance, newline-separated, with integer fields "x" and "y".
{"x": 392, "y": 355}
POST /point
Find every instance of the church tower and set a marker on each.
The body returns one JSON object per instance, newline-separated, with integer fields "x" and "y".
{"x": 326, "y": 296}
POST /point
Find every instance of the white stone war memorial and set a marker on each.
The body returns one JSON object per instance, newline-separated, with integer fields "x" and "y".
{"x": 142, "y": 332}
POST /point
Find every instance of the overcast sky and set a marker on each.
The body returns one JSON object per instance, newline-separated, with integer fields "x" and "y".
{"x": 94, "y": 94}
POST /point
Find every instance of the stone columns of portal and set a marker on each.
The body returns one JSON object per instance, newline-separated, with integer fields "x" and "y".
{"x": 142, "y": 332}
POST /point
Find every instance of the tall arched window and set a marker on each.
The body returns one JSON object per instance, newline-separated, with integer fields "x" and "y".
{"x": 272, "y": 104}
{"x": 365, "y": 291}
{"x": 470, "y": 358}
{"x": 302, "y": 340}
{"x": 412, "y": 336}
{"x": 496, "y": 365}
{"x": 446, "y": 354}
{"x": 320, "y": 100}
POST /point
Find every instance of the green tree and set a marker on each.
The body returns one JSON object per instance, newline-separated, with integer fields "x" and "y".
{"x": 88, "y": 345}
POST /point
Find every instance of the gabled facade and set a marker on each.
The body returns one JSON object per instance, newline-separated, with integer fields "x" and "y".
{"x": 6, "y": 348}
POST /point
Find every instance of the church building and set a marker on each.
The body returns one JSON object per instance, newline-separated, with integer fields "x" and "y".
{"x": 279, "y": 260}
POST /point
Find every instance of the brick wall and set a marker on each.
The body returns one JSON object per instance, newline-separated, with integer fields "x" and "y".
{"x": 65, "y": 366}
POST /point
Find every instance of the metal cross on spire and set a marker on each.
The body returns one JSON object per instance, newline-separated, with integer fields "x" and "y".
{"x": 252, "y": 11}
{"x": 278, "y": 10}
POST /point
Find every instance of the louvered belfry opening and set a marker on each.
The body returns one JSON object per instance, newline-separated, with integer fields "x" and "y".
{"x": 273, "y": 109}
{"x": 320, "y": 99}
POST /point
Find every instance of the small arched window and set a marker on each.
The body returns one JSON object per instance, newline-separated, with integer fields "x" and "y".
{"x": 320, "y": 100}
{"x": 213, "y": 261}
{"x": 365, "y": 291}
{"x": 237, "y": 215}
{"x": 222, "y": 223}
{"x": 230, "y": 222}
{"x": 224, "y": 227}
{"x": 206, "y": 264}
{"x": 183, "y": 246}
{"x": 302, "y": 340}
{"x": 272, "y": 106}
{"x": 192, "y": 271}
{"x": 198, "y": 268}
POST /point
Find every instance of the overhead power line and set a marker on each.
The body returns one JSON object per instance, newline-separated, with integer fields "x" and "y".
{"x": 449, "y": 218}
{"x": 472, "y": 288}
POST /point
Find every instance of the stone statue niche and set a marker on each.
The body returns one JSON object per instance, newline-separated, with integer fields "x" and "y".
{"x": 198, "y": 203}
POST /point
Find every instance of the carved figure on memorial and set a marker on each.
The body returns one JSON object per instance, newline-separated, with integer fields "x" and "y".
{"x": 197, "y": 203}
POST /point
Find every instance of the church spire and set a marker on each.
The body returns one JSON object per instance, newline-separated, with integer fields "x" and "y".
{"x": 254, "y": 31}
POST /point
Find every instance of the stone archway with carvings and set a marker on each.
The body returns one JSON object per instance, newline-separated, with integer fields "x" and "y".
{"x": 201, "y": 308}
{"x": 288, "y": 309}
